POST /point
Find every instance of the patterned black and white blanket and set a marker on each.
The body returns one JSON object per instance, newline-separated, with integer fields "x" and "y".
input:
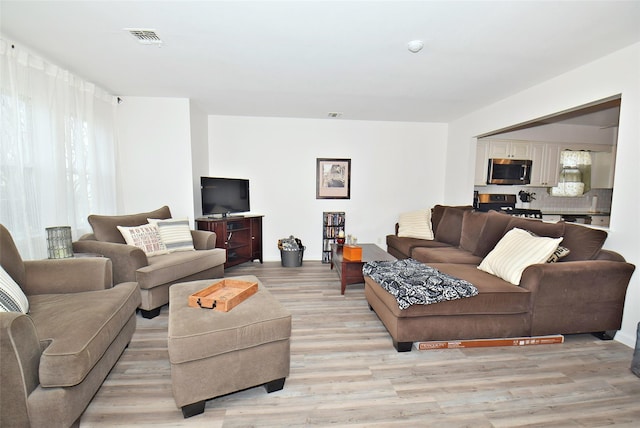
{"x": 414, "y": 283}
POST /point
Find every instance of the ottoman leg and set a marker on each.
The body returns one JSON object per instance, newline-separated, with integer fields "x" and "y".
{"x": 193, "y": 409}
{"x": 274, "y": 385}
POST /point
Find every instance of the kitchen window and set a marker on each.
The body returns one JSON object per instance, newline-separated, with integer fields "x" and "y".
{"x": 575, "y": 174}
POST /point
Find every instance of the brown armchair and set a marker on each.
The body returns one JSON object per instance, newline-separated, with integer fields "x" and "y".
{"x": 54, "y": 359}
{"x": 154, "y": 274}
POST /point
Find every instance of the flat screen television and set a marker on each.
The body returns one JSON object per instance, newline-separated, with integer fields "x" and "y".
{"x": 224, "y": 196}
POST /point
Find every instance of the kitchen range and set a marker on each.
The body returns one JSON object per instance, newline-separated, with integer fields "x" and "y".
{"x": 507, "y": 203}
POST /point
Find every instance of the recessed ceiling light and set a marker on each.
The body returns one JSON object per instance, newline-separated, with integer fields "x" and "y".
{"x": 415, "y": 46}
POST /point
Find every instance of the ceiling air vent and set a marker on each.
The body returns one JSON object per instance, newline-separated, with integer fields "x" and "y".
{"x": 145, "y": 36}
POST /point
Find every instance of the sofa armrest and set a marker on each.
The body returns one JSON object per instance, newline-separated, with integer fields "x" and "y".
{"x": 203, "y": 239}
{"x": 19, "y": 361}
{"x": 126, "y": 259}
{"x": 577, "y": 297}
{"x": 67, "y": 275}
{"x": 609, "y": 255}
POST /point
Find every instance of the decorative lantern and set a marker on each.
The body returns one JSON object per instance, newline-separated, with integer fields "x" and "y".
{"x": 59, "y": 244}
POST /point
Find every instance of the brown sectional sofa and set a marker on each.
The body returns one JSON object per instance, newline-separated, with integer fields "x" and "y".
{"x": 584, "y": 292}
{"x": 54, "y": 358}
{"x": 154, "y": 274}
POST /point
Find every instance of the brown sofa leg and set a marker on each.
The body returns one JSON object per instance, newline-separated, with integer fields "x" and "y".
{"x": 193, "y": 409}
{"x": 635, "y": 363}
{"x": 403, "y": 346}
{"x": 274, "y": 385}
{"x": 605, "y": 335}
{"x": 150, "y": 314}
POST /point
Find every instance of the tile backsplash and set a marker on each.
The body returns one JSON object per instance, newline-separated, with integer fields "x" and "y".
{"x": 545, "y": 202}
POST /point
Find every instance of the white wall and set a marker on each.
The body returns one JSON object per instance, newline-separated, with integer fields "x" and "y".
{"x": 199, "y": 152}
{"x": 154, "y": 156}
{"x": 618, "y": 73}
{"x": 396, "y": 166}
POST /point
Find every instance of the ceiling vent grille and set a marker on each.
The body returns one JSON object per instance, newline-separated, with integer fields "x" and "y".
{"x": 145, "y": 36}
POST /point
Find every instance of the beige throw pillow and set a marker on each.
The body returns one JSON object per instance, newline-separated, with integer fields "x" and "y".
{"x": 515, "y": 252}
{"x": 415, "y": 224}
{"x": 145, "y": 237}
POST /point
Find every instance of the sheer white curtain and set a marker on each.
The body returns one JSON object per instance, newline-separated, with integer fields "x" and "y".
{"x": 57, "y": 149}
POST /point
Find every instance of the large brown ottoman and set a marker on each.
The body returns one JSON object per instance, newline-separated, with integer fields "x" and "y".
{"x": 214, "y": 353}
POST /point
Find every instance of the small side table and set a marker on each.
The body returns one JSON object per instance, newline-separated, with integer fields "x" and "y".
{"x": 349, "y": 271}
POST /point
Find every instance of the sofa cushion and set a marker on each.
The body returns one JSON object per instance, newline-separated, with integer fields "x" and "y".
{"x": 583, "y": 242}
{"x": 12, "y": 298}
{"x": 167, "y": 268}
{"x": 105, "y": 227}
{"x": 492, "y": 232}
{"x": 405, "y": 245}
{"x": 415, "y": 224}
{"x": 79, "y": 328}
{"x": 145, "y": 237}
{"x": 517, "y": 250}
{"x": 539, "y": 227}
{"x": 450, "y": 226}
{"x": 437, "y": 212}
{"x": 444, "y": 255}
{"x": 495, "y": 296}
{"x": 472, "y": 225}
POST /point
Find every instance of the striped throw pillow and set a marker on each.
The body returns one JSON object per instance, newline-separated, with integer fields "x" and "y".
{"x": 415, "y": 224}
{"x": 12, "y": 298}
{"x": 175, "y": 234}
{"x": 515, "y": 252}
{"x": 559, "y": 253}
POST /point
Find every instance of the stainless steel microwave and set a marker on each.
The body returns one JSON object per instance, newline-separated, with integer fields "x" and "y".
{"x": 509, "y": 171}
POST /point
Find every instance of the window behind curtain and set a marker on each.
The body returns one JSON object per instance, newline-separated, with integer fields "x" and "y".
{"x": 57, "y": 149}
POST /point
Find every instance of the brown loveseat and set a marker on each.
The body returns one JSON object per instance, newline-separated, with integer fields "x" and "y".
{"x": 54, "y": 359}
{"x": 154, "y": 274}
{"x": 584, "y": 292}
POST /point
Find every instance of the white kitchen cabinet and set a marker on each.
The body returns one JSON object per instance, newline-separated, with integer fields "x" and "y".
{"x": 480, "y": 178}
{"x": 602, "y": 169}
{"x": 545, "y": 164}
{"x": 506, "y": 149}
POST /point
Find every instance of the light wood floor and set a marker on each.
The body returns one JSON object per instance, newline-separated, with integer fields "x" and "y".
{"x": 345, "y": 372}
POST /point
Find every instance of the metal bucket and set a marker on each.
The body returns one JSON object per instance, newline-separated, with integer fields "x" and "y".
{"x": 292, "y": 258}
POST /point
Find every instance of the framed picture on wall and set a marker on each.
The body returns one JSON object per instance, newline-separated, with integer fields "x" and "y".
{"x": 333, "y": 178}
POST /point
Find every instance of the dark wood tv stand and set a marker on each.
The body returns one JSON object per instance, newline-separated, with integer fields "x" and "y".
{"x": 240, "y": 236}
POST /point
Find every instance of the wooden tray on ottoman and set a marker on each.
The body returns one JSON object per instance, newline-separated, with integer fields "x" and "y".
{"x": 223, "y": 295}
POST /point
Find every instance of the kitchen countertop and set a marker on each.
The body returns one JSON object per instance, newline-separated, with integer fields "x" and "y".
{"x": 574, "y": 213}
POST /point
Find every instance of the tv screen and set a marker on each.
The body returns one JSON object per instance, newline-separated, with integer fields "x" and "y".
{"x": 224, "y": 195}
